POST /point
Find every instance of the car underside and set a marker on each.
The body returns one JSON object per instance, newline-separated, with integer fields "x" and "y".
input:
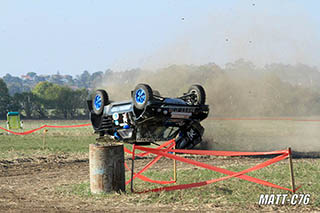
{"x": 149, "y": 117}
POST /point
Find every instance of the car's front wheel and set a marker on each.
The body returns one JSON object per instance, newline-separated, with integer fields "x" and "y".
{"x": 197, "y": 95}
{"x": 100, "y": 99}
{"x": 141, "y": 95}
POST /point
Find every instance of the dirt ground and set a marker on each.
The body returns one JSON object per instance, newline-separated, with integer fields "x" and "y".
{"x": 30, "y": 185}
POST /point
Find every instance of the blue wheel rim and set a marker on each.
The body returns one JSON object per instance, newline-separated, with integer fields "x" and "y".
{"x": 97, "y": 102}
{"x": 140, "y": 96}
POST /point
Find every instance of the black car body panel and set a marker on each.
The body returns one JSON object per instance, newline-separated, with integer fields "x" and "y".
{"x": 160, "y": 119}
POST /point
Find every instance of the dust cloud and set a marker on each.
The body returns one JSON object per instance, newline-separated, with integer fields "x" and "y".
{"x": 240, "y": 90}
{"x": 264, "y": 66}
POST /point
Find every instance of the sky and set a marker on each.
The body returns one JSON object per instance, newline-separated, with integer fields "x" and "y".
{"x": 71, "y": 36}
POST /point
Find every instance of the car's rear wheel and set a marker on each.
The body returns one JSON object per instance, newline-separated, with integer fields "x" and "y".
{"x": 141, "y": 95}
{"x": 198, "y": 95}
{"x": 100, "y": 99}
{"x": 156, "y": 93}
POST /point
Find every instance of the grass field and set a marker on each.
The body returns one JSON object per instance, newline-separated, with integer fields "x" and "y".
{"x": 253, "y": 135}
{"x": 56, "y": 141}
{"x": 234, "y": 193}
{"x": 231, "y": 194}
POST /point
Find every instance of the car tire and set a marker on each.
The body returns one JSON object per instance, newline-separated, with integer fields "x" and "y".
{"x": 198, "y": 90}
{"x": 156, "y": 93}
{"x": 100, "y": 99}
{"x": 141, "y": 95}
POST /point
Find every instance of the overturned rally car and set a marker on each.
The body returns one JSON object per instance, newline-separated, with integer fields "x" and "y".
{"x": 149, "y": 117}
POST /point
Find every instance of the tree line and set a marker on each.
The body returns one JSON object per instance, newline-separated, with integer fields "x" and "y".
{"x": 27, "y": 82}
{"x": 45, "y": 100}
{"x": 238, "y": 89}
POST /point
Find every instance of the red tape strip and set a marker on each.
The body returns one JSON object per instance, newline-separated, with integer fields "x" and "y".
{"x": 151, "y": 163}
{"x": 261, "y": 119}
{"x": 251, "y": 119}
{"x": 146, "y": 179}
{"x": 68, "y": 126}
{"x": 147, "y": 153}
{"x": 217, "y": 169}
{"x": 44, "y": 126}
{"x": 227, "y": 153}
{"x": 23, "y": 133}
{"x": 198, "y": 184}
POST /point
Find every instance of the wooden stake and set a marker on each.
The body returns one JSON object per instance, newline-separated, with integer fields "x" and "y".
{"x": 132, "y": 167}
{"x": 291, "y": 170}
{"x": 44, "y": 138}
{"x": 174, "y": 168}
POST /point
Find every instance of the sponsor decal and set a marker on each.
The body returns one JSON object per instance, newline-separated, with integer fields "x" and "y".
{"x": 121, "y": 108}
{"x": 144, "y": 139}
{"x": 181, "y": 109}
{"x": 180, "y": 115}
{"x": 191, "y": 133}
